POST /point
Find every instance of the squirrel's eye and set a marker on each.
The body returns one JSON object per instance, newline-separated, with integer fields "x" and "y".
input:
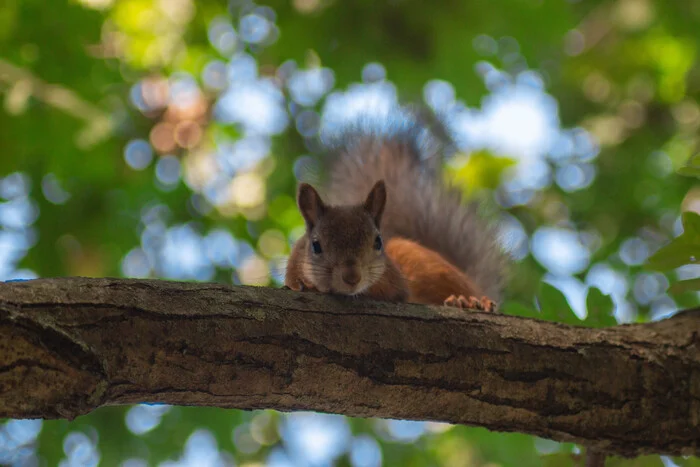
{"x": 316, "y": 246}
{"x": 378, "y": 243}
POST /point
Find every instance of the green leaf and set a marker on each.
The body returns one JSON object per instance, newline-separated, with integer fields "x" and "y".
{"x": 690, "y": 285}
{"x": 500, "y": 449}
{"x": 684, "y": 249}
{"x": 554, "y": 305}
{"x": 687, "y": 462}
{"x": 676, "y": 254}
{"x": 50, "y": 441}
{"x": 691, "y": 226}
{"x": 558, "y": 459}
{"x": 600, "y": 309}
{"x": 689, "y": 171}
{"x": 641, "y": 461}
{"x": 480, "y": 169}
{"x": 518, "y": 309}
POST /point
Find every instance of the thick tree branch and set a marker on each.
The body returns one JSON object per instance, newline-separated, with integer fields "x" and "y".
{"x": 68, "y": 346}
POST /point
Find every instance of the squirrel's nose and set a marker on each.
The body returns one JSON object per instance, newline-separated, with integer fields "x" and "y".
{"x": 351, "y": 277}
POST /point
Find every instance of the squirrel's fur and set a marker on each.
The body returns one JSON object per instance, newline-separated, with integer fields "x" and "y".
{"x": 420, "y": 206}
{"x": 388, "y": 226}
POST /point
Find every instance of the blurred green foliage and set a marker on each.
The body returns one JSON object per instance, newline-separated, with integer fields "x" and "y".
{"x": 625, "y": 70}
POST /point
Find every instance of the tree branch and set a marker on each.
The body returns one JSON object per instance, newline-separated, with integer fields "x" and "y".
{"x": 594, "y": 459}
{"x": 68, "y": 346}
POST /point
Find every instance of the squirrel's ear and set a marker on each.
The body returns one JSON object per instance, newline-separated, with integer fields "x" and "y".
{"x": 376, "y": 200}
{"x": 310, "y": 204}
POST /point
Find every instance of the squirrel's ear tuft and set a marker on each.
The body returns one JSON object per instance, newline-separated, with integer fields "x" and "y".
{"x": 376, "y": 200}
{"x": 310, "y": 204}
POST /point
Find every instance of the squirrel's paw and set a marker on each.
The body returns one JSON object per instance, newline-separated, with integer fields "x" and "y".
{"x": 473, "y": 303}
{"x": 456, "y": 301}
{"x": 300, "y": 287}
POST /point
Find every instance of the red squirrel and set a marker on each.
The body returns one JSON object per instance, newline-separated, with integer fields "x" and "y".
{"x": 392, "y": 230}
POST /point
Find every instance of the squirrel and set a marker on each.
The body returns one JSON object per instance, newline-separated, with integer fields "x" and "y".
{"x": 392, "y": 230}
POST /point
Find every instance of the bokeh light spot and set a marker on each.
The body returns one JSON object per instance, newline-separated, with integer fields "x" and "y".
{"x": 138, "y": 154}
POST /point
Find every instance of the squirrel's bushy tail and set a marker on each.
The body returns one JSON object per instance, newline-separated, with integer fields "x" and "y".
{"x": 420, "y": 206}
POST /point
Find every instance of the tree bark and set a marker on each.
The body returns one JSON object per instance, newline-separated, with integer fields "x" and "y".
{"x": 68, "y": 346}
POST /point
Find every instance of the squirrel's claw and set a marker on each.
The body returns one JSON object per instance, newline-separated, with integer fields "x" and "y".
{"x": 486, "y": 304}
{"x": 473, "y": 303}
{"x": 456, "y": 301}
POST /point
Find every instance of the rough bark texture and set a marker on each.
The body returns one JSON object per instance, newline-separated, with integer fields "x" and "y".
{"x": 68, "y": 346}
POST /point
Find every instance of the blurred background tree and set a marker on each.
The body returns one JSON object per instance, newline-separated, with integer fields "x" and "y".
{"x": 154, "y": 138}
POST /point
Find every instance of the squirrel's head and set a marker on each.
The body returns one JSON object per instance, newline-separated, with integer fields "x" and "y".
{"x": 345, "y": 253}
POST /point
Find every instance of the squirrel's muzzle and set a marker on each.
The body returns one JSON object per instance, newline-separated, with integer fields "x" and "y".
{"x": 351, "y": 277}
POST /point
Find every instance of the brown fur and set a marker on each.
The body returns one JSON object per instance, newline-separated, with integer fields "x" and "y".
{"x": 431, "y": 278}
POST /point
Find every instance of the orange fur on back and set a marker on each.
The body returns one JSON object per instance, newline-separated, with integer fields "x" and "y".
{"x": 429, "y": 276}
